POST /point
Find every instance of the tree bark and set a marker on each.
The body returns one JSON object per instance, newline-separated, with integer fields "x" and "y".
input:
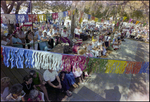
{"x": 8, "y": 10}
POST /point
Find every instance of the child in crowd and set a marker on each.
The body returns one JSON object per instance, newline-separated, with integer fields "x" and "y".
{"x": 15, "y": 93}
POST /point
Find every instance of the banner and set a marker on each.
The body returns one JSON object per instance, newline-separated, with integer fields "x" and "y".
{"x": 55, "y": 15}
{"x": 74, "y": 11}
{"x": 124, "y": 18}
{"x": 21, "y": 18}
{"x": 137, "y": 22}
{"x": 55, "y": 60}
{"x": 144, "y": 24}
{"x": 41, "y": 17}
{"x": 32, "y": 18}
{"x": 89, "y": 17}
{"x": 130, "y": 20}
{"x": 93, "y": 18}
{"x": 96, "y": 19}
{"x": 69, "y": 13}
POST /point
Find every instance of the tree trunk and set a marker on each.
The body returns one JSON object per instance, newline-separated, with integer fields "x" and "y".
{"x": 10, "y": 28}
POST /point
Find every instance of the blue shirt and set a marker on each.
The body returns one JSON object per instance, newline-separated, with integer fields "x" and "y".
{"x": 15, "y": 40}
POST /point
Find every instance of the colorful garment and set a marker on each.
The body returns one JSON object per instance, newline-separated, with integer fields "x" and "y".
{"x": 32, "y": 18}
{"x": 55, "y": 15}
{"x": 21, "y": 18}
{"x": 41, "y": 17}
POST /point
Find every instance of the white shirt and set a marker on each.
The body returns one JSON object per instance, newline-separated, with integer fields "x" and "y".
{"x": 53, "y": 32}
{"x": 49, "y": 34}
{"x": 76, "y": 31}
{"x": 64, "y": 34}
{"x": 99, "y": 43}
{"x": 107, "y": 39}
{"x": 3, "y": 42}
{"x": 115, "y": 35}
{"x": 94, "y": 45}
{"x": 47, "y": 75}
{"x": 89, "y": 47}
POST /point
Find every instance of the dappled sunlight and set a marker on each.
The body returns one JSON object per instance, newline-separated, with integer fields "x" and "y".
{"x": 128, "y": 84}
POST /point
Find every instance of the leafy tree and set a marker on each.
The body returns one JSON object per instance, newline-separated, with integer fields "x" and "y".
{"x": 7, "y": 7}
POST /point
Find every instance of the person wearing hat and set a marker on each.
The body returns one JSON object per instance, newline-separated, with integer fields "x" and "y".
{"x": 39, "y": 82}
{"x": 65, "y": 35}
{"x": 77, "y": 32}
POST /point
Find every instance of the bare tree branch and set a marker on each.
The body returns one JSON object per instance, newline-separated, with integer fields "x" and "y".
{"x": 18, "y": 6}
{"x": 11, "y": 7}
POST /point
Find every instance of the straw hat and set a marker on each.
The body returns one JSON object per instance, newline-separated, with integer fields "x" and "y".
{"x": 82, "y": 51}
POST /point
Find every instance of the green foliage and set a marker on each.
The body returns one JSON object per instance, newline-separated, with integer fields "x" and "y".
{"x": 137, "y": 14}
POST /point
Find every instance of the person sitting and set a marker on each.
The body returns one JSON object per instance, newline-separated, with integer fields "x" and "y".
{"x": 94, "y": 49}
{"x": 53, "y": 81}
{"x": 15, "y": 93}
{"x": 89, "y": 48}
{"x": 15, "y": 40}
{"x": 116, "y": 44}
{"x": 38, "y": 82}
{"x": 28, "y": 84}
{"x": 21, "y": 36}
{"x": 100, "y": 48}
{"x": 3, "y": 40}
{"x": 51, "y": 41}
{"x": 35, "y": 95}
{"x": 108, "y": 42}
{"x": 77, "y": 72}
{"x": 64, "y": 83}
{"x": 69, "y": 29}
{"x": 77, "y": 32}
{"x": 44, "y": 43}
{"x": 64, "y": 36}
{"x": 46, "y": 30}
{"x": 5, "y": 82}
{"x": 56, "y": 36}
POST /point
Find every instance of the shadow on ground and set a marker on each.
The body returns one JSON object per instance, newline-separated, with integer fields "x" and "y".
{"x": 128, "y": 84}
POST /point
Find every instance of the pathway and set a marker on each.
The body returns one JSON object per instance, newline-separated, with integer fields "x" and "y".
{"x": 118, "y": 87}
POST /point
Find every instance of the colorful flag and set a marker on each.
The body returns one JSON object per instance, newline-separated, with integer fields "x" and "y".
{"x": 54, "y": 15}
{"x": 74, "y": 11}
{"x": 144, "y": 24}
{"x": 89, "y": 17}
{"x": 81, "y": 19}
{"x": 96, "y": 19}
{"x": 130, "y": 20}
{"x": 124, "y": 18}
{"x": 69, "y": 13}
{"x": 137, "y": 22}
{"x": 99, "y": 20}
{"x": 41, "y": 17}
{"x": 93, "y": 18}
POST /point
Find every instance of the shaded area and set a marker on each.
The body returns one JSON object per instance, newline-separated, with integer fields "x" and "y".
{"x": 132, "y": 51}
{"x": 86, "y": 94}
{"x": 128, "y": 84}
{"x": 113, "y": 94}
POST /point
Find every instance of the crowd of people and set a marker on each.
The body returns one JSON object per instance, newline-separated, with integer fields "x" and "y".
{"x": 36, "y": 87}
{"x": 44, "y": 37}
{"x": 102, "y": 37}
